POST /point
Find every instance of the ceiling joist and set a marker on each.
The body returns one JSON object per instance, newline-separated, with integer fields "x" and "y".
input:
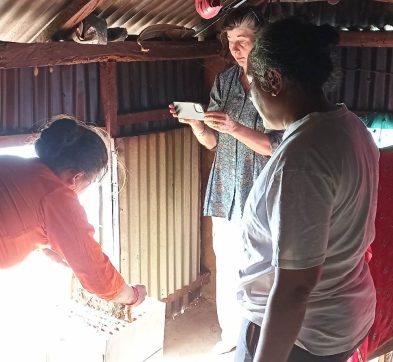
{"x": 16, "y": 55}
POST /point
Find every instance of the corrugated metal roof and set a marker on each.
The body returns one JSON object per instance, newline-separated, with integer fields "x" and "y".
{"x": 29, "y": 97}
{"x": 348, "y": 13}
{"x": 22, "y": 20}
{"x": 137, "y": 14}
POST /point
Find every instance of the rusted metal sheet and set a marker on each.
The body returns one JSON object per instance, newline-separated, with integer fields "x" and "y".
{"x": 160, "y": 210}
{"x": 30, "y": 96}
{"x": 27, "y": 21}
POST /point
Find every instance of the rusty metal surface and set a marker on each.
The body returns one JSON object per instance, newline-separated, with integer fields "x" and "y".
{"x": 30, "y": 96}
{"x": 24, "y": 20}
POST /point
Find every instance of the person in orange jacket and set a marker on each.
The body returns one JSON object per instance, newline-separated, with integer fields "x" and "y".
{"x": 39, "y": 207}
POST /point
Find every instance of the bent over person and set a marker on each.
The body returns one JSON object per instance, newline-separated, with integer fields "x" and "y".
{"x": 39, "y": 207}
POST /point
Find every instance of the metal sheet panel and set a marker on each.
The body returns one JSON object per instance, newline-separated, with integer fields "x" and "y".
{"x": 144, "y": 86}
{"x": 366, "y": 82}
{"x": 22, "y": 20}
{"x": 31, "y": 96}
{"x": 135, "y": 15}
{"x": 160, "y": 210}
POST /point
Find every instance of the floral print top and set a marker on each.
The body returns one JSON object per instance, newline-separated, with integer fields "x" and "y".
{"x": 235, "y": 166}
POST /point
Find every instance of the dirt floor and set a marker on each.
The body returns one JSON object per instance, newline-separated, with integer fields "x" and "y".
{"x": 192, "y": 335}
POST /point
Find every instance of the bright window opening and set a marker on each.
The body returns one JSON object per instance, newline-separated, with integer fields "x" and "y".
{"x": 383, "y": 137}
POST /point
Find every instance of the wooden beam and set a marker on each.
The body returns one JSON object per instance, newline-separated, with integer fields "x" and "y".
{"x": 146, "y": 116}
{"x": 16, "y": 55}
{"x": 15, "y": 140}
{"x": 108, "y": 97}
{"x": 68, "y": 18}
{"x": 366, "y": 39}
{"x": 201, "y": 280}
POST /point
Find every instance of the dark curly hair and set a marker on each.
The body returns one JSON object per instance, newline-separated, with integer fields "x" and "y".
{"x": 301, "y": 51}
{"x": 66, "y": 143}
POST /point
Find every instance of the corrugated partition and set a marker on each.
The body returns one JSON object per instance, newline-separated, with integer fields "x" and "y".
{"x": 30, "y": 96}
{"x": 160, "y": 210}
{"x": 366, "y": 79}
{"x": 144, "y": 86}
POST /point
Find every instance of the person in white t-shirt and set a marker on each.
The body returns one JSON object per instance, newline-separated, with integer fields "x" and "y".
{"x": 306, "y": 290}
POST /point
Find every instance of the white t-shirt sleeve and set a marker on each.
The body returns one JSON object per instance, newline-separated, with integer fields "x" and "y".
{"x": 299, "y": 206}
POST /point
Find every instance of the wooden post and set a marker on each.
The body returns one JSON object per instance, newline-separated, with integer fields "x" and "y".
{"x": 108, "y": 97}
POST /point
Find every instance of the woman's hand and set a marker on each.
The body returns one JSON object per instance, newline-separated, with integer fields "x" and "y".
{"x": 196, "y": 125}
{"x": 220, "y": 122}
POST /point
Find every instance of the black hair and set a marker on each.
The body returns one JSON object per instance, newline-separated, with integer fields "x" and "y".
{"x": 301, "y": 51}
{"x": 66, "y": 143}
{"x": 248, "y": 17}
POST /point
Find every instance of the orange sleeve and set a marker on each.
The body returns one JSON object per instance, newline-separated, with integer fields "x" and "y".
{"x": 70, "y": 235}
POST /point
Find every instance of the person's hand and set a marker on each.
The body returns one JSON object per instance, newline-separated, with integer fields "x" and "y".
{"x": 194, "y": 123}
{"x": 140, "y": 295}
{"x": 220, "y": 122}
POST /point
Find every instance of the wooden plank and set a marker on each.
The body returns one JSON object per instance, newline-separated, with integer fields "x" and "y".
{"x": 71, "y": 15}
{"x": 172, "y": 217}
{"x": 134, "y": 207}
{"x": 153, "y": 207}
{"x": 179, "y": 209}
{"x": 125, "y": 215}
{"x": 195, "y": 208}
{"x": 163, "y": 210}
{"x": 108, "y": 97}
{"x": 141, "y": 117}
{"x": 201, "y": 280}
{"x": 17, "y": 55}
{"x": 369, "y": 39}
{"x": 144, "y": 205}
{"x": 15, "y": 140}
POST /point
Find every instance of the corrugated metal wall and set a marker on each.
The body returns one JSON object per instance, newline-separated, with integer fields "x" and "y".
{"x": 160, "y": 210}
{"x": 30, "y": 96}
{"x": 366, "y": 80}
{"x": 144, "y": 86}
